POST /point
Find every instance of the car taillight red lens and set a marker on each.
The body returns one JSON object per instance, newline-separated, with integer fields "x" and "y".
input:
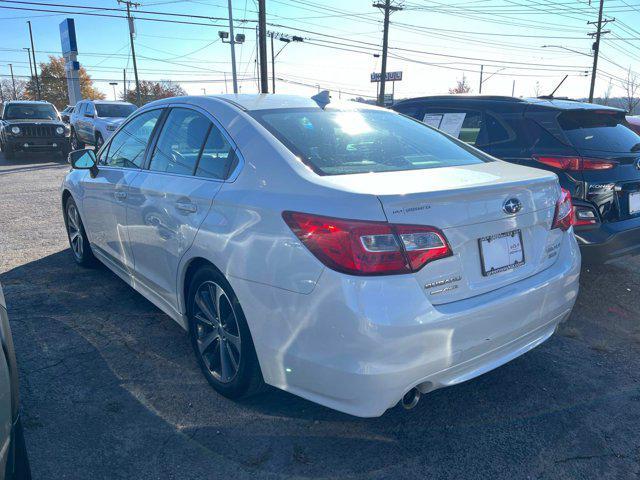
{"x": 563, "y": 218}
{"x": 368, "y": 248}
{"x": 574, "y": 163}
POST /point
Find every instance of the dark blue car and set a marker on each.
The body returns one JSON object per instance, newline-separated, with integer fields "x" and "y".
{"x": 590, "y": 147}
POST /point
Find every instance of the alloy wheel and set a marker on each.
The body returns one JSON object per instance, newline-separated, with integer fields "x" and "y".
{"x": 74, "y": 230}
{"x": 217, "y": 332}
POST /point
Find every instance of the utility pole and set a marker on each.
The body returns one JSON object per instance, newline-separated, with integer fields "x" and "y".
{"x": 481, "y": 72}
{"x": 13, "y": 82}
{"x": 130, "y": 4}
{"x": 513, "y": 89}
{"x": 29, "y": 57}
{"x": 596, "y": 46}
{"x": 35, "y": 65}
{"x": 388, "y": 8}
{"x": 232, "y": 42}
{"x": 124, "y": 85}
{"x": 262, "y": 46}
{"x": 273, "y": 67}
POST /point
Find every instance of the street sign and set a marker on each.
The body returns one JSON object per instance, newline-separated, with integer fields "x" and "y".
{"x": 68, "y": 36}
{"x": 388, "y": 99}
{"x": 389, "y": 77}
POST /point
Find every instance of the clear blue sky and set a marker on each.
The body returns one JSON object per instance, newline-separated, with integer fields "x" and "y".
{"x": 433, "y": 43}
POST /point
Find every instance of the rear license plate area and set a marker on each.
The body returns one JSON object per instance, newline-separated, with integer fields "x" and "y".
{"x": 501, "y": 252}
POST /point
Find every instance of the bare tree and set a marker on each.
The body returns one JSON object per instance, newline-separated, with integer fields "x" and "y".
{"x": 6, "y": 89}
{"x": 631, "y": 87}
{"x": 606, "y": 96}
{"x": 462, "y": 86}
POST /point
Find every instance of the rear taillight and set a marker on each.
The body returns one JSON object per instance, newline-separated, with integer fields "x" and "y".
{"x": 368, "y": 248}
{"x": 574, "y": 163}
{"x": 563, "y": 218}
{"x": 584, "y": 216}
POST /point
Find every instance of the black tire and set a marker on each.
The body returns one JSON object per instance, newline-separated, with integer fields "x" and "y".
{"x": 98, "y": 143}
{"x": 21, "y": 467}
{"x": 80, "y": 247}
{"x": 64, "y": 153}
{"x": 9, "y": 152}
{"x": 76, "y": 144}
{"x": 247, "y": 378}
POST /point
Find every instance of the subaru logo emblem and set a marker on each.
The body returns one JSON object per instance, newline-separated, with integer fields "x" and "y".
{"x": 512, "y": 206}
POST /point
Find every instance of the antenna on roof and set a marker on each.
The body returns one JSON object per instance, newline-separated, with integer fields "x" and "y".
{"x": 556, "y": 89}
{"x": 322, "y": 99}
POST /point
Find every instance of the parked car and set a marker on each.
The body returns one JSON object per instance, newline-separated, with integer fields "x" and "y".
{"x": 342, "y": 252}
{"x": 65, "y": 114}
{"x": 634, "y": 123}
{"x": 14, "y": 461}
{"x": 32, "y": 126}
{"x": 590, "y": 147}
{"x": 94, "y": 121}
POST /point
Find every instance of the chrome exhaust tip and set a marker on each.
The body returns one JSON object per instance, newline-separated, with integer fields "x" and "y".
{"x": 410, "y": 399}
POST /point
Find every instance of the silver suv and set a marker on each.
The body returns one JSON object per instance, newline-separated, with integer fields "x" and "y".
{"x": 94, "y": 121}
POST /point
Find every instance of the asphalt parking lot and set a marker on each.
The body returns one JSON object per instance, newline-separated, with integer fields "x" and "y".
{"x": 110, "y": 388}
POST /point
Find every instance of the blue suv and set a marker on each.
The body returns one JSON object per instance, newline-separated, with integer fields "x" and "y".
{"x": 591, "y": 148}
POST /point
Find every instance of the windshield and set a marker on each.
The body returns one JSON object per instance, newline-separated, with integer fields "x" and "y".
{"x": 600, "y": 130}
{"x": 338, "y": 142}
{"x": 114, "y": 111}
{"x": 27, "y": 111}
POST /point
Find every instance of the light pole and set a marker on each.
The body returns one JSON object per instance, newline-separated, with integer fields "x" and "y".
{"x": 286, "y": 41}
{"x": 29, "y": 57}
{"x": 113, "y": 84}
{"x": 239, "y": 38}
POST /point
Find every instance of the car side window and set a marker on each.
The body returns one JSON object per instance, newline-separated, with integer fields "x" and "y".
{"x": 218, "y": 156}
{"x": 127, "y": 147}
{"x": 180, "y": 142}
{"x": 90, "y": 109}
{"x": 467, "y": 126}
{"x": 413, "y": 110}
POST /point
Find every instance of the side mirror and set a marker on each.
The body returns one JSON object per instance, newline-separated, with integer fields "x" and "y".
{"x": 84, "y": 160}
{"x": 89, "y": 115}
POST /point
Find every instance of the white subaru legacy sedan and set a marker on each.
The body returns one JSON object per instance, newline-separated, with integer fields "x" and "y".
{"x": 341, "y": 252}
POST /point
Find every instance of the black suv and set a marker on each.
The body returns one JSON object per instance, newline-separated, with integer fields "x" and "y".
{"x": 32, "y": 126}
{"x": 590, "y": 147}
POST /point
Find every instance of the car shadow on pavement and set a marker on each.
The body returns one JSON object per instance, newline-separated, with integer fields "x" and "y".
{"x": 111, "y": 389}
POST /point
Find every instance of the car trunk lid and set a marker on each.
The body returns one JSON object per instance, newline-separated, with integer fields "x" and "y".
{"x": 494, "y": 244}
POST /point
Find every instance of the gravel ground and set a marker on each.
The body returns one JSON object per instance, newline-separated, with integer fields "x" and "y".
{"x": 110, "y": 388}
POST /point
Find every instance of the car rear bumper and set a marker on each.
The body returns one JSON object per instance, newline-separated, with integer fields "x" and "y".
{"x": 358, "y": 344}
{"x": 609, "y": 241}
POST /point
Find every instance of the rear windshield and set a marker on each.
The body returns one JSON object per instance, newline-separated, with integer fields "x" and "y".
{"x": 339, "y": 142}
{"x": 28, "y": 111}
{"x": 115, "y": 111}
{"x": 602, "y": 131}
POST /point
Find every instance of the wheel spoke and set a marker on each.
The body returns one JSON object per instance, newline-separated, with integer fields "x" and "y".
{"x": 73, "y": 236}
{"x": 225, "y": 371}
{"x": 234, "y": 362}
{"x": 233, "y": 340}
{"x": 204, "y": 320}
{"x": 205, "y": 342}
{"x": 205, "y": 308}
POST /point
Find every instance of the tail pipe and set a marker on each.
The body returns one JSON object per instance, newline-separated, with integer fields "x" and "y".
{"x": 411, "y": 398}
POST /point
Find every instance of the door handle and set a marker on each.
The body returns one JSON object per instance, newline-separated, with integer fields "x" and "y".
{"x": 187, "y": 207}
{"x": 120, "y": 195}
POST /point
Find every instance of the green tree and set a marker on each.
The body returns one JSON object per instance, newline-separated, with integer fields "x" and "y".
{"x": 150, "y": 91}
{"x": 53, "y": 84}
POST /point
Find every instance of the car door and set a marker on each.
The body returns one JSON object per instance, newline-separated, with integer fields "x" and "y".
{"x": 87, "y": 123}
{"x": 107, "y": 194}
{"x": 189, "y": 162}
